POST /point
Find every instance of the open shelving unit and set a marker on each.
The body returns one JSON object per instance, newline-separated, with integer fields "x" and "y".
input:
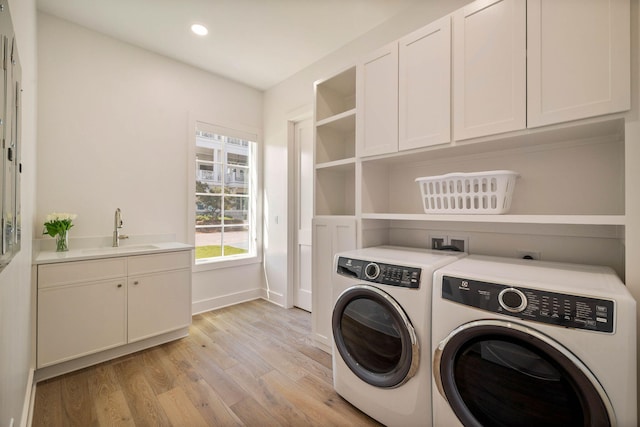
{"x": 335, "y": 144}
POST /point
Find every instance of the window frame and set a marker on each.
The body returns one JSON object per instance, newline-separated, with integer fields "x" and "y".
{"x": 243, "y": 132}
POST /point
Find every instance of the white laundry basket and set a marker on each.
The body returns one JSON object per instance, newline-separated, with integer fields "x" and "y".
{"x": 487, "y": 192}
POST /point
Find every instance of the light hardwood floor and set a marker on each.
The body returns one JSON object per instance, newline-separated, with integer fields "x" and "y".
{"x": 251, "y": 364}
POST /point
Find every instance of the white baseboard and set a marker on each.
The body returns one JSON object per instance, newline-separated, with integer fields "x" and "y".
{"x": 29, "y": 401}
{"x": 209, "y": 304}
{"x": 276, "y": 298}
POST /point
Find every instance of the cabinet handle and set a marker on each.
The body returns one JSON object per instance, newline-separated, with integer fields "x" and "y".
{"x": 136, "y": 282}
{"x": 119, "y": 285}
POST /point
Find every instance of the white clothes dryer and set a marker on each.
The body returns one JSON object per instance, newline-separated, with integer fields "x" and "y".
{"x": 529, "y": 343}
{"x": 381, "y": 331}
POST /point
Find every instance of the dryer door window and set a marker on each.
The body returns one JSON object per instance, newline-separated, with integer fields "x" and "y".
{"x": 374, "y": 336}
{"x": 496, "y": 373}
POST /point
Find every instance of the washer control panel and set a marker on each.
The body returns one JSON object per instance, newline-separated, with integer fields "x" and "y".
{"x": 570, "y": 311}
{"x": 378, "y": 272}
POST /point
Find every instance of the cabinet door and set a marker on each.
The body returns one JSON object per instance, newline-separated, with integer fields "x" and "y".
{"x": 489, "y": 66}
{"x": 578, "y": 59}
{"x": 425, "y": 86}
{"x": 330, "y": 236}
{"x": 377, "y": 105}
{"x": 158, "y": 303}
{"x": 80, "y": 319}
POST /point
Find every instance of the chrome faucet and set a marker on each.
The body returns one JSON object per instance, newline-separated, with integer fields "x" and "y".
{"x": 117, "y": 225}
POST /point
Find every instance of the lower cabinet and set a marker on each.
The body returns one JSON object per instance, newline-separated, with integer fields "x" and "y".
{"x": 76, "y": 320}
{"x": 85, "y": 307}
{"x": 330, "y": 235}
{"x": 157, "y": 303}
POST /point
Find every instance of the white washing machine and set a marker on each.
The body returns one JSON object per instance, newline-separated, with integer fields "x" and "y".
{"x": 381, "y": 331}
{"x": 530, "y": 343}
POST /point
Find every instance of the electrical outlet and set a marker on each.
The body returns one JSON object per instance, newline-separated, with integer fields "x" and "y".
{"x": 528, "y": 254}
{"x": 462, "y": 243}
{"x": 437, "y": 242}
{"x": 459, "y": 242}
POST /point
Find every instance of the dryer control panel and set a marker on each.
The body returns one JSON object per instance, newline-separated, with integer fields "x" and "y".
{"x": 571, "y": 311}
{"x": 378, "y": 272}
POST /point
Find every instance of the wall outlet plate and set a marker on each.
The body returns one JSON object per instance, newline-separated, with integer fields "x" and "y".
{"x": 437, "y": 242}
{"x": 460, "y": 242}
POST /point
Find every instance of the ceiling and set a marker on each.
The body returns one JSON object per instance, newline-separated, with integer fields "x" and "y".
{"x": 256, "y": 42}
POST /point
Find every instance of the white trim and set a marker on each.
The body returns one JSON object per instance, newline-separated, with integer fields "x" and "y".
{"x": 29, "y": 401}
{"x": 225, "y": 263}
{"x": 215, "y": 303}
{"x": 293, "y": 117}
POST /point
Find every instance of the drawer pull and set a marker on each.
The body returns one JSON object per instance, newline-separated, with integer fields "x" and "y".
{"x": 136, "y": 282}
{"x": 119, "y": 285}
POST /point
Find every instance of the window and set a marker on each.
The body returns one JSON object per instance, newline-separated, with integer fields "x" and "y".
{"x": 225, "y": 170}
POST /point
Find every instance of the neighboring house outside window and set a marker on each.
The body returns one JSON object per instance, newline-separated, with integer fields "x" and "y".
{"x": 225, "y": 220}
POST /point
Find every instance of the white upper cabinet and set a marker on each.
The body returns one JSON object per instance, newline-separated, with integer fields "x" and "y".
{"x": 377, "y": 95}
{"x": 578, "y": 59}
{"x": 425, "y": 86}
{"x": 489, "y": 68}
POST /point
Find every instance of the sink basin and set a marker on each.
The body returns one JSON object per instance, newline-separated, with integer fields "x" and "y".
{"x": 119, "y": 250}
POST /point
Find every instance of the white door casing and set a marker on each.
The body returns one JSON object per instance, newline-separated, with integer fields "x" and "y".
{"x": 303, "y": 138}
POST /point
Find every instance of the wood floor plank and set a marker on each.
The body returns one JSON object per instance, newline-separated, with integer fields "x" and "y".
{"x": 242, "y": 351}
{"x": 279, "y": 407}
{"x": 160, "y": 373}
{"x": 210, "y": 405}
{"x": 316, "y": 411}
{"x": 47, "y": 409}
{"x": 180, "y": 410}
{"x": 252, "y": 364}
{"x": 254, "y": 414}
{"x": 112, "y": 409}
{"x": 140, "y": 396}
{"x": 323, "y": 392}
{"x": 211, "y": 348}
{"x": 175, "y": 356}
{"x": 103, "y": 380}
{"x": 77, "y": 404}
{"x": 230, "y": 391}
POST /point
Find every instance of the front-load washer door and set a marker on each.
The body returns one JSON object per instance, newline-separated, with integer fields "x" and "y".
{"x": 497, "y": 373}
{"x": 374, "y": 337}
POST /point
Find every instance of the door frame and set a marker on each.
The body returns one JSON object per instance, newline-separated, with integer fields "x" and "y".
{"x": 297, "y": 115}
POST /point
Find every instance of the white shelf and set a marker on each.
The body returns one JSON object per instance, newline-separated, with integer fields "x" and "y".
{"x": 344, "y": 121}
{"x": 614, "y": 220}
{"x": 342, "y": 164}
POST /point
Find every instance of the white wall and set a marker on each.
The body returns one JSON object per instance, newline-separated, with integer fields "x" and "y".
{"x": 289, "y": 99}
{"x": 16, "y": 361}
{"x": 114, "y": 132}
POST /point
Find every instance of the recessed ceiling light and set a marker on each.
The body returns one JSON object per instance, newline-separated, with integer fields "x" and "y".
{"x": 199, "y": 29}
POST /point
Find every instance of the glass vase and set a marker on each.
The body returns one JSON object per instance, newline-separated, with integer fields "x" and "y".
{"x": 62, "y": 241}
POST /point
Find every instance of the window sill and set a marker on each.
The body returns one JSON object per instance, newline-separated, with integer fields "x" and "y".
{"x": 227, "y": 263}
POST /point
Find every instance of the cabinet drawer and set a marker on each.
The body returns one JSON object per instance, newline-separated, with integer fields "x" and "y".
{"x": 80, "y": 271}
{"x": 143, "y": 264}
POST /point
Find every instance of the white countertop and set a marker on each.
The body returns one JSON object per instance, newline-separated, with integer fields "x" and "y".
{"x": 49, "y": 257}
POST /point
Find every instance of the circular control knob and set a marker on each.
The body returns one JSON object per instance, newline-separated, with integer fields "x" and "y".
{"x": 372, "y": 270}
{"x": 513, "y": 300}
